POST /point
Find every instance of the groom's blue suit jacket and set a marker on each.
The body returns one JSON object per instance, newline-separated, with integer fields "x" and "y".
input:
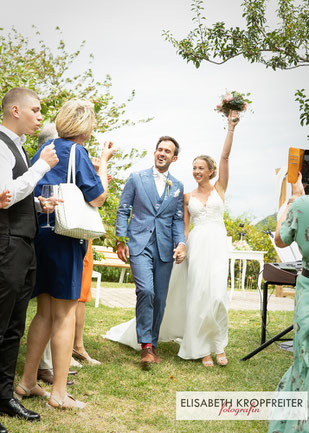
{"x": 139, "y": 204}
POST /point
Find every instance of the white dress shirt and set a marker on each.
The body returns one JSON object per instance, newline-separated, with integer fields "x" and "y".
{"x": 160, "y": 180}
{"x": 21, "y": 187}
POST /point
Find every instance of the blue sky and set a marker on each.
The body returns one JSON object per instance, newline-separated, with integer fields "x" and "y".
{"x": 126, "y": 40}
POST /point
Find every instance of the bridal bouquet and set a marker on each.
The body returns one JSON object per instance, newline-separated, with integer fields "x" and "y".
{"x": 233, "y": 101}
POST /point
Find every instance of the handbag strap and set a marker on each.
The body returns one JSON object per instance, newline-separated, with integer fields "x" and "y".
{"x": 71, "y": 166}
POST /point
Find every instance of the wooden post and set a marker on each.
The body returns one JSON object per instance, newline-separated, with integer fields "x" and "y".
{"x": 282, "y": 199}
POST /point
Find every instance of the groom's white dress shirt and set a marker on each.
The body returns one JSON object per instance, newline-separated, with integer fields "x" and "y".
{"x": 160, "y": 180}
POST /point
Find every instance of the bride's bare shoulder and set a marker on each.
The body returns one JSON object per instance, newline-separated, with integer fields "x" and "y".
{"x": 187, "y": 196}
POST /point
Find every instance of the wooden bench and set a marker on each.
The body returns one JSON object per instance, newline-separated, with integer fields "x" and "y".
{"x": 110, "y": 259}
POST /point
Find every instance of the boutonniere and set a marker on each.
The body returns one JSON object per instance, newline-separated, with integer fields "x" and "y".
{"x": 169, "y": 184}
{"x": 177, "y": 192}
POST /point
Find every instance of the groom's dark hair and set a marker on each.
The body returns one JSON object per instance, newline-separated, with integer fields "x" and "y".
{"x": 168, "y": 138}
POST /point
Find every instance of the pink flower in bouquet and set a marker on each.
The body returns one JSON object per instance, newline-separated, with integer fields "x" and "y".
{"x": 234, "y": 101}
{"x": 228, "y": 97}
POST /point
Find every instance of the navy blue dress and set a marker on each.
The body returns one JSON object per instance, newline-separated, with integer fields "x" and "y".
{"x": 60, "y": 258}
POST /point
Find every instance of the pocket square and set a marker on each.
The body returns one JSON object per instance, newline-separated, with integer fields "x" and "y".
{"x": 177, "y": 192}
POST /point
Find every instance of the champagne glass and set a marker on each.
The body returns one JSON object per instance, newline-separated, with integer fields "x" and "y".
{"x": 47, "y": 194}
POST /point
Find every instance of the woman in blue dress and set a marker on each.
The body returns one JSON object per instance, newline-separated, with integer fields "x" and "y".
{"x": 294, "y": 226}
{"x": 60, "y": 258}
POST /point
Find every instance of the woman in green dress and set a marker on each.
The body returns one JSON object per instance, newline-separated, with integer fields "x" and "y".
{"x": 294, "y": 226}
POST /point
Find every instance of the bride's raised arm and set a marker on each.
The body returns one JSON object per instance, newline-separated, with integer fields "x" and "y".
{"x": 223, "y": 179}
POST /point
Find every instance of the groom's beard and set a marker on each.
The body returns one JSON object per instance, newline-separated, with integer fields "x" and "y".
{"x": 162, "y": 166}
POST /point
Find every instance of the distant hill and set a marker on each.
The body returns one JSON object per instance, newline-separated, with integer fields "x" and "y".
{"x": 269, "y": 221}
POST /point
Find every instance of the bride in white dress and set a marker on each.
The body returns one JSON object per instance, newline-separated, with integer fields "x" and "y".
{"x": 196, "y": 314}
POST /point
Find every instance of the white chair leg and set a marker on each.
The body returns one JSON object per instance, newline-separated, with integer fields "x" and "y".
{"x": 122, "y": 275}
{"x": 97, "y": 275}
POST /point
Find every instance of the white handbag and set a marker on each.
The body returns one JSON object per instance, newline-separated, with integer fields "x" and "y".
{"x": 75, "y": 217}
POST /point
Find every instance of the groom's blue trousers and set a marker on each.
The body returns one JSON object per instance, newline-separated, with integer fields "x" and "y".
{"x": 151, "y": 276}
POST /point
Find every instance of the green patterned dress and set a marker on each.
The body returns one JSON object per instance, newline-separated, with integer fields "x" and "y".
{"x": 296, "y": 228}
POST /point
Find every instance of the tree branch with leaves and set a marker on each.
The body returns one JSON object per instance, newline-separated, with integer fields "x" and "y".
{"x": 50, "y": 73}
{"x": 285, "y": 46}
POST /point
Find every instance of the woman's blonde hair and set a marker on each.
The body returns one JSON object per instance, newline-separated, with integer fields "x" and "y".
{"x": 75, "y": 118}
{"x": 210, "y": 162}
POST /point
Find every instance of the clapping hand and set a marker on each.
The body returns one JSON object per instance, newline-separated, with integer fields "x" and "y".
{"x": 49, "y": 155}
{"x": 96, "y": 163}
{"x": 5, "y": 198}
{"x": 108, "y": 151}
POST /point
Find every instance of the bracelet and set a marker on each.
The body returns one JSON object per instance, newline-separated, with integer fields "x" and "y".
{"x": 231, "y": 130}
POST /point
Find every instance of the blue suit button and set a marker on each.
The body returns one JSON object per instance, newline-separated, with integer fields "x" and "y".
{"x": 150, "y": 231}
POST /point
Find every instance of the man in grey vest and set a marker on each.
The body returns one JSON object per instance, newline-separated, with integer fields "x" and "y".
{"x": 18, "y": 224}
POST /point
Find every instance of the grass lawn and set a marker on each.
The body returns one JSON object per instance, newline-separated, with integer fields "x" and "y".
{"x": 123, "y": 398}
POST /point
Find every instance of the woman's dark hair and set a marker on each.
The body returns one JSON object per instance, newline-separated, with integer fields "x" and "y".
{"x": 167, "y": 138}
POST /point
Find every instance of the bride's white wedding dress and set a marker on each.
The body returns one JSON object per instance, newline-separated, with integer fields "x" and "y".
{"x": 196, "y": 313}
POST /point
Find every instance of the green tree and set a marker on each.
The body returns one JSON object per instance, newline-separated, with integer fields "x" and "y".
{"x": 51, "y": 74}
{"x": 256, "y": 238}
{"x": 283, "y": 47}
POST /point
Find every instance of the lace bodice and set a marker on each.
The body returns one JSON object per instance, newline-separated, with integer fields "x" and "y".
{"x": 211, "y": 212}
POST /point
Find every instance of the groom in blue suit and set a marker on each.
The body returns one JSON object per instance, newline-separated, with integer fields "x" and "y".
{"x": 153, "y": 202}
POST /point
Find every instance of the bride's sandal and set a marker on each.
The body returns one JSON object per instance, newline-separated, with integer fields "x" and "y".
{"x": 29, "y": 392}
{"x": 68, "y": 403}
{"x": 207, "y": 361}
{"x": 84, "y": 356}
{"x": 222, "y": 360}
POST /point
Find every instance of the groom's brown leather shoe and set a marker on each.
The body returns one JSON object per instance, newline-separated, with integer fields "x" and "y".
{"x": 157, "y": 358}
{"x": 147, "y": 356}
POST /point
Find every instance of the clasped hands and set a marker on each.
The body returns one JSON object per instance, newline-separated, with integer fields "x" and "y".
{"x": 179, "y": 252}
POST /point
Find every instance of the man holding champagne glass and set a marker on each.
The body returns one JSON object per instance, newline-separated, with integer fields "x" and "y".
{"x": 21, "y": 115}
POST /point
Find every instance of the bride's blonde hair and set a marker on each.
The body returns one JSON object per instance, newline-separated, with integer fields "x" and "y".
{"x": 212, "y": 165}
